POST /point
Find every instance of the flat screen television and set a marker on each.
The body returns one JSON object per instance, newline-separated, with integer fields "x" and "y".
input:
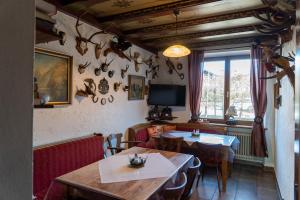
{"x": 166, "y": 95}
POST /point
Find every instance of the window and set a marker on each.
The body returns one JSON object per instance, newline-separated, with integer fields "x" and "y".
{"x": 212, "y": 101}
{"x": 226, "y": 81}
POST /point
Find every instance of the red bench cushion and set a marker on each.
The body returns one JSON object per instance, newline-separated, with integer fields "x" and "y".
{"x": 53, "y": 161}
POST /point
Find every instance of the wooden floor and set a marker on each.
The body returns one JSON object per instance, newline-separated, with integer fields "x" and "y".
{"x": 245, "y": 183}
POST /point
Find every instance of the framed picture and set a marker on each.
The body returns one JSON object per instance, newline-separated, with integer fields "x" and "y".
{"x": 53, "y": 76}
{"x": 136, "y": 88}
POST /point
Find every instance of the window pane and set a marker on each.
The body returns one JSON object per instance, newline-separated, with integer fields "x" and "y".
{"x": 212, "y": 101}
{"x": 240, "y": 88}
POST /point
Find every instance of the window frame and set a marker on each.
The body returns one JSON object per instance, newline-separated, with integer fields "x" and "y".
{"x": 227, "y": 60}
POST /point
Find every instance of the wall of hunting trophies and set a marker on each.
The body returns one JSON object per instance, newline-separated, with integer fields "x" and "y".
{"x": 103, "y": 68}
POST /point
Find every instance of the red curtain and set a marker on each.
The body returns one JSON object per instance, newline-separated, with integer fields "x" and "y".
{"x": 195, "y": 61}
{"x": 259, "y": 101}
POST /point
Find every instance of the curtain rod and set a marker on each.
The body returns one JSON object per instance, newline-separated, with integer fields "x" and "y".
{"x": 228, "y": 48}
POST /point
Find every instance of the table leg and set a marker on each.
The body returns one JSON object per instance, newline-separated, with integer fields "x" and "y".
{"x": 224, "y": 174}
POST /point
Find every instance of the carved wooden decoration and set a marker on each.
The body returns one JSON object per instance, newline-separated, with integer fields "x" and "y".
{"x": 103, "y": 86}
{"x": 90, "y": 90}
{"x": 153, "y": 69}
{"x": 172, "y": 68}
{"x": 283, "y": 63}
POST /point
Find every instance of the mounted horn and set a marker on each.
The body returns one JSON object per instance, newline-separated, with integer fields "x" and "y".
{"x": 81, "y": 42}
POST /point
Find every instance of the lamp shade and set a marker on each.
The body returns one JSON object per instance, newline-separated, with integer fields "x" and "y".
{"x": 176, "y": 51}
{"x": 231, "y": 111}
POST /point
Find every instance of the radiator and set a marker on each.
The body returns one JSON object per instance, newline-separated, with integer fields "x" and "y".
{"x": 244, "y": 151}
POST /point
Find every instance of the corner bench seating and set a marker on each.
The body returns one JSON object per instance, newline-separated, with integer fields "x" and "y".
{"x": 54, "y": 160}
{"x": 139, "y": 132}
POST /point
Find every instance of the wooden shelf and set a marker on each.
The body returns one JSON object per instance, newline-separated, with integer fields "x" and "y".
{"x": 44, "y": 31}
{"x": 161, "y": 118}
{"x": 43, "y": 106}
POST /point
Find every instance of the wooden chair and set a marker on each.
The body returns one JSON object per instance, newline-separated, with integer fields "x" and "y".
{"x": 175, "y": 193}
{"x": 192, "y": 173}
{"x": 116, "y": 147}
{"x": 211, "y": 156}
{"x": 171, "y": 143}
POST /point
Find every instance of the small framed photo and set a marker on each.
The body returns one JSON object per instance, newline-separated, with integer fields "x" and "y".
{"x": 53, "y": 76}
{"x": 136, "y": 88}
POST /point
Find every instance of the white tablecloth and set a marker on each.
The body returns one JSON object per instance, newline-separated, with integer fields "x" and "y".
{"x": 116, "y": 169}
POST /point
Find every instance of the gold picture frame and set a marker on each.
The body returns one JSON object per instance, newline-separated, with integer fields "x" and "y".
{"x": 136, "y": 87}
{"x": 53, "y": 76}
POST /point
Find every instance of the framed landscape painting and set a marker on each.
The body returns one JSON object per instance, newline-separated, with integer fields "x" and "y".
{"x": 136, "y": 86}
{"x": 53, "y": 76}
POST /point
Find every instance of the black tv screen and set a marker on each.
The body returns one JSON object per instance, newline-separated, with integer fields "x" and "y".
{"x": 166, "y": 95}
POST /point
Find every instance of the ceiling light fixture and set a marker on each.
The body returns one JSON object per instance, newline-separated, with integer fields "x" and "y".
{"x": 176, "y": 50}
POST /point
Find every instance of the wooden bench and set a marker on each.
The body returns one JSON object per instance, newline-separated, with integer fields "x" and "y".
{"x": 53, "y": 160}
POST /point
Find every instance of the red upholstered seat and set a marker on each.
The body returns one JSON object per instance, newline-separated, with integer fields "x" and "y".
{"x": 53, "y": 161}
{"x": 142, "y": 135}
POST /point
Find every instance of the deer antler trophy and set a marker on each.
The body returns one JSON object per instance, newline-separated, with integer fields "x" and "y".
{"x": 81, "y": 42}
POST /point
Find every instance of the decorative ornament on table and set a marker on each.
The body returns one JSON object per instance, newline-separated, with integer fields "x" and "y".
{"x": 98, "y": 49}
{"x": 82, "y": 67}
{"x": 172, "y": 68}
{"x": 117, "y": 86}
{"x": 118, "y": 45}
{"x": 111, "y": 73}
{"x": 124, "y": 71}
{"x": 137, "y": 161}
{"x": 81, "y": 42}
{"x": 103, "y": 86}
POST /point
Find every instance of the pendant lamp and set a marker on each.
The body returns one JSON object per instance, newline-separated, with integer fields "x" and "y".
{"x": 176, "y": 50}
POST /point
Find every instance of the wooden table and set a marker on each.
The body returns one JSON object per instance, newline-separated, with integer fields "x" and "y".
{"x": 226, "y": 141}
{"x": 87, "y": 179}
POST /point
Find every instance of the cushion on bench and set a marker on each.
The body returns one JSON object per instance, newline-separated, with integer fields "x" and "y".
{"x": 56, "y": 160}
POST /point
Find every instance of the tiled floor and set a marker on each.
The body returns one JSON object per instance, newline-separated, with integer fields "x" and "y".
{"x": 245, "y": 183}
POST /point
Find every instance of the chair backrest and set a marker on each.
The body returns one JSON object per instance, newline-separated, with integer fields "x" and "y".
{"x": 209, "y": 153}
{"x": 175, "y": 193}
{"x": 171, "y": 143}
{"x": 192, "y": 172}
{"x": 110, "y": 141}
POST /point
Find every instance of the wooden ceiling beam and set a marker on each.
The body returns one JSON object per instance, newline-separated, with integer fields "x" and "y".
{"x": 198, "y": 21}
{"x": 200, "y": 34}
{"x": 92, "y": 20}
{"x": 242, "y": 40}
{"x": 154, "y": 10}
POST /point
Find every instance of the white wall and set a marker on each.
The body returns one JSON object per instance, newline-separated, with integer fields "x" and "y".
{"x": 83, "y": 116}
{"x": 285, "y": 134}
{"x": 16, "y": 56}
{"x": 183, "y": 113}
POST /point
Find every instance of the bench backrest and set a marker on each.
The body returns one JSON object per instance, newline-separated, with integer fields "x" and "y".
{"x": 55, "y": 160}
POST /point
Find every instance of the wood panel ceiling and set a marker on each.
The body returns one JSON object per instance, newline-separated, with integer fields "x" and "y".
{"x": 151, "y": 23}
